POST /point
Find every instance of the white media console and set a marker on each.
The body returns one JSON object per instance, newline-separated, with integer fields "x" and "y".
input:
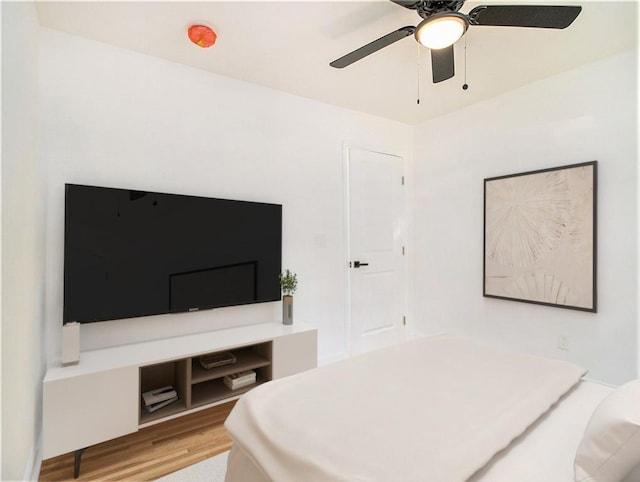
{"x": 100, "y": 398}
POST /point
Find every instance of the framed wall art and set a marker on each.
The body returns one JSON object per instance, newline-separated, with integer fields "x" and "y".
{"x": 540, "y": 237}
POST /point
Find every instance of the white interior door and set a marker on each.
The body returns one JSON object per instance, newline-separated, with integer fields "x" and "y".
{"x": 376, "y": 268}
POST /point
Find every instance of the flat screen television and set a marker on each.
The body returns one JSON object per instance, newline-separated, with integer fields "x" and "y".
{"x": 137, "y": 253}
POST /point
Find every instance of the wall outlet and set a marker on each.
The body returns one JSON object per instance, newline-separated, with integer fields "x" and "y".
{"x": 563, "y": 342}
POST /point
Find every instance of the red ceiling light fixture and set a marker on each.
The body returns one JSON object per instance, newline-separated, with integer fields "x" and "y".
{"x": 202, "y": 36}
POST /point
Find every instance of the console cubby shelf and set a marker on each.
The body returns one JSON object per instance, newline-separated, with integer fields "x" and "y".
{"x": 215, "y": 391}
{"x": 100, "y": 398}
{"x": 246, "y": 359}
{"x": 198, "y": 386}
{"x": 164, "y": 412}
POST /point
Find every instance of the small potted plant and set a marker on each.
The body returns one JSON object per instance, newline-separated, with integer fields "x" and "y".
{"x": 288, "y": 284}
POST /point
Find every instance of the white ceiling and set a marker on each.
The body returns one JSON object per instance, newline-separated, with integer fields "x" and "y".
{"x": 288, "y": 46}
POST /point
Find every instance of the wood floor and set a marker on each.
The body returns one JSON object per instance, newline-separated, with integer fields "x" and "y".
{"x": 151, "y": 452}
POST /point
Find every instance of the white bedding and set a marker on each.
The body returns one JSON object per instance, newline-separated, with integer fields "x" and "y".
{"x": 434, "y": 409}
{"x": 546, "y": 451}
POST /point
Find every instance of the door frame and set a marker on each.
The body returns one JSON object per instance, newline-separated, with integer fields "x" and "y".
{"x": 404, "y": 223}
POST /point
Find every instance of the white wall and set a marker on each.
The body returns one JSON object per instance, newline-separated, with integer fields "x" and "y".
{"x": 1, "y": 425}
{"x": 582, "y": 115}
{"x": 638, "y": 196}
{"x": 22, "y": 243}
{"x": 116, "y": 118}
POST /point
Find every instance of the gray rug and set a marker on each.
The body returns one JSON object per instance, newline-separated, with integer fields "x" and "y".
{"x": 210, "y": 470}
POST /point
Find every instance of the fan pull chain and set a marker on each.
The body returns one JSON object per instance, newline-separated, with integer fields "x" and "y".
{"x": 418, "y": 86}
{"x": 465, "y": 86}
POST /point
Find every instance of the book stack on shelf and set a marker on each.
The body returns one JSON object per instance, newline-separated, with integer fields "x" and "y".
{"x": 158, "y": 398}
{"x": 213, "y": 360}
{"x": 240, "y": 379}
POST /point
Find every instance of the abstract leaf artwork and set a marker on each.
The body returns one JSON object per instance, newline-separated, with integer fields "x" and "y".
{"x": 539, "y": 237}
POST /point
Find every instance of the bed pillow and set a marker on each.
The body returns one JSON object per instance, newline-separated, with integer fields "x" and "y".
{"x": 610, "y": 447}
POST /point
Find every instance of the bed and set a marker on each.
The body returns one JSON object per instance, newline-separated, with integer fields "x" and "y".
{"x": 437, "y": 409}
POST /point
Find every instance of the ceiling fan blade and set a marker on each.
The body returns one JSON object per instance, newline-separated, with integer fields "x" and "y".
{"x": 540, "y": 16}
{"x": 442, "y": 64}
{"x": 412, "y": 4}
{"x": 372, "y": 47}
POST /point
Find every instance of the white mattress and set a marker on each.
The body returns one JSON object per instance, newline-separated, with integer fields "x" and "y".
{"x": 438, "y": 407}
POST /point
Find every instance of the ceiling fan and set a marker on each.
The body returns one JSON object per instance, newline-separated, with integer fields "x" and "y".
{"x": 443, "y": 25}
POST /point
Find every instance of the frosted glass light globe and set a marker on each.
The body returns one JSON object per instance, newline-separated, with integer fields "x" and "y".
{"x": 441, "y": 31}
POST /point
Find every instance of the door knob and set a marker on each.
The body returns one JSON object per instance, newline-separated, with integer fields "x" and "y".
{"x": 357, "y": 264}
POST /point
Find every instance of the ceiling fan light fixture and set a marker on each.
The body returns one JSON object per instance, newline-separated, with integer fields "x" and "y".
{"x": 441, "y": 30}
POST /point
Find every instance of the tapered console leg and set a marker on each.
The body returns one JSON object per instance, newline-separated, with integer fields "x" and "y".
{"x": 76, "y": 462}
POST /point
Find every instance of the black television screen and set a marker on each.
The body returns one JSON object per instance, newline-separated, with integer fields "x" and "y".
{"x": 137, "y": 253}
